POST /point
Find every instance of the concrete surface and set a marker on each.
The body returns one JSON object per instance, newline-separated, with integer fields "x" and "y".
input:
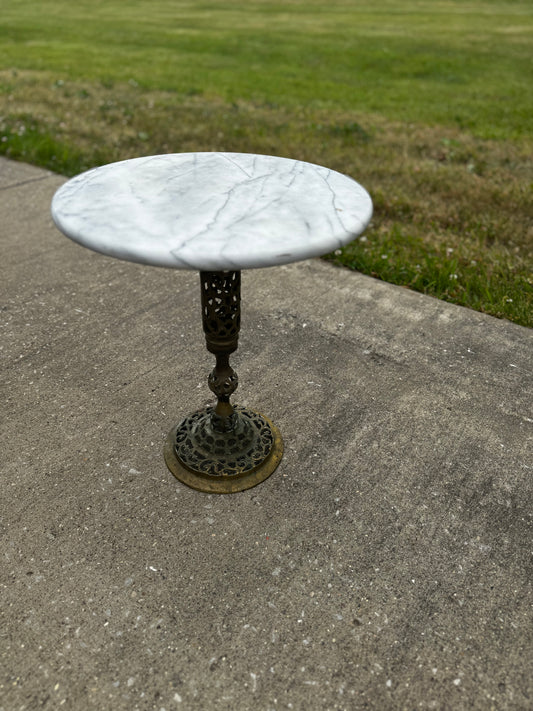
{"x": 385, "y": 565}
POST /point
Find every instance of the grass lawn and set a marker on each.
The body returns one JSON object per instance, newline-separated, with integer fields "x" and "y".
{"x": 428, "y": 104}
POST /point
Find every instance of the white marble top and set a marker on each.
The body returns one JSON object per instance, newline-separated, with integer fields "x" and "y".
{"x": 212, "y": 211}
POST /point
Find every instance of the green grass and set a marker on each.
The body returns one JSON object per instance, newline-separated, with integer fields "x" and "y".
{"x": 428, "y": 104}
{"x": 432, "y": 62}
{"x": 494, "y": 286}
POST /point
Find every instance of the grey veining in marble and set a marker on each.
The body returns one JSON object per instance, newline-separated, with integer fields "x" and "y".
{"x": 212, "y": 211}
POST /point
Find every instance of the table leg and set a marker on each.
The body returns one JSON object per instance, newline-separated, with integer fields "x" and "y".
{"x": 225, "y": 448}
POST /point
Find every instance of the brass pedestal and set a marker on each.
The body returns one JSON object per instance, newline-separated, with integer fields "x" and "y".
{"x": 225, "y": 448}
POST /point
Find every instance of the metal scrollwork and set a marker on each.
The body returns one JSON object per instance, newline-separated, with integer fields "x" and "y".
{"x": 223, "y": 380}
{"x": 202, "y": 449}
{"x": 221, "y": 317}
{"x": 224, "y": 448}
{"x": 221, "y": 310}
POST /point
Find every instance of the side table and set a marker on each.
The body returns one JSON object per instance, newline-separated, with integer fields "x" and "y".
{"x": 217, "y": 213}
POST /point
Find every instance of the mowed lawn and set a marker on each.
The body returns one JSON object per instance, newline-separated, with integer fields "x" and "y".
{"x": 428, "y": 104}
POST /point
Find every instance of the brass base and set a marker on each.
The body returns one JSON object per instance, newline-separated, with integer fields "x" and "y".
{"x": 223, "y": 463}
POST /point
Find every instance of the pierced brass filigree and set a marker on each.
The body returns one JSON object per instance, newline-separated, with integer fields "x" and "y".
{"x": 224, "y": 448}
{"x": 204, "y": 449}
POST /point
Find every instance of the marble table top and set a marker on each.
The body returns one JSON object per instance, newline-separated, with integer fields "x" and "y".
{"x": 212, "y": 211}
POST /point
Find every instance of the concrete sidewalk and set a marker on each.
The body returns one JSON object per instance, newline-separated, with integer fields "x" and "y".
{"x": 386, "y": 564}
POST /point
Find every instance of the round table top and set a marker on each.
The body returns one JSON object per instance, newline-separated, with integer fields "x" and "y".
{"x": 212, "y": 211}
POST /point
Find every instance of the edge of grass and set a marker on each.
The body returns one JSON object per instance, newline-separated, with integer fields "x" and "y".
{"x": 435, "y": 242}
{"x": 491, "y": 284}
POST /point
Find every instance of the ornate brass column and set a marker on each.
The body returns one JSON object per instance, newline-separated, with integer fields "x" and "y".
{"x": 221, "y": 319}
{"x": 225, "y": 448}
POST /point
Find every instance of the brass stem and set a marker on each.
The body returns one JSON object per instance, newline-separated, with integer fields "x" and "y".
{"x": 221, "y": 317}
